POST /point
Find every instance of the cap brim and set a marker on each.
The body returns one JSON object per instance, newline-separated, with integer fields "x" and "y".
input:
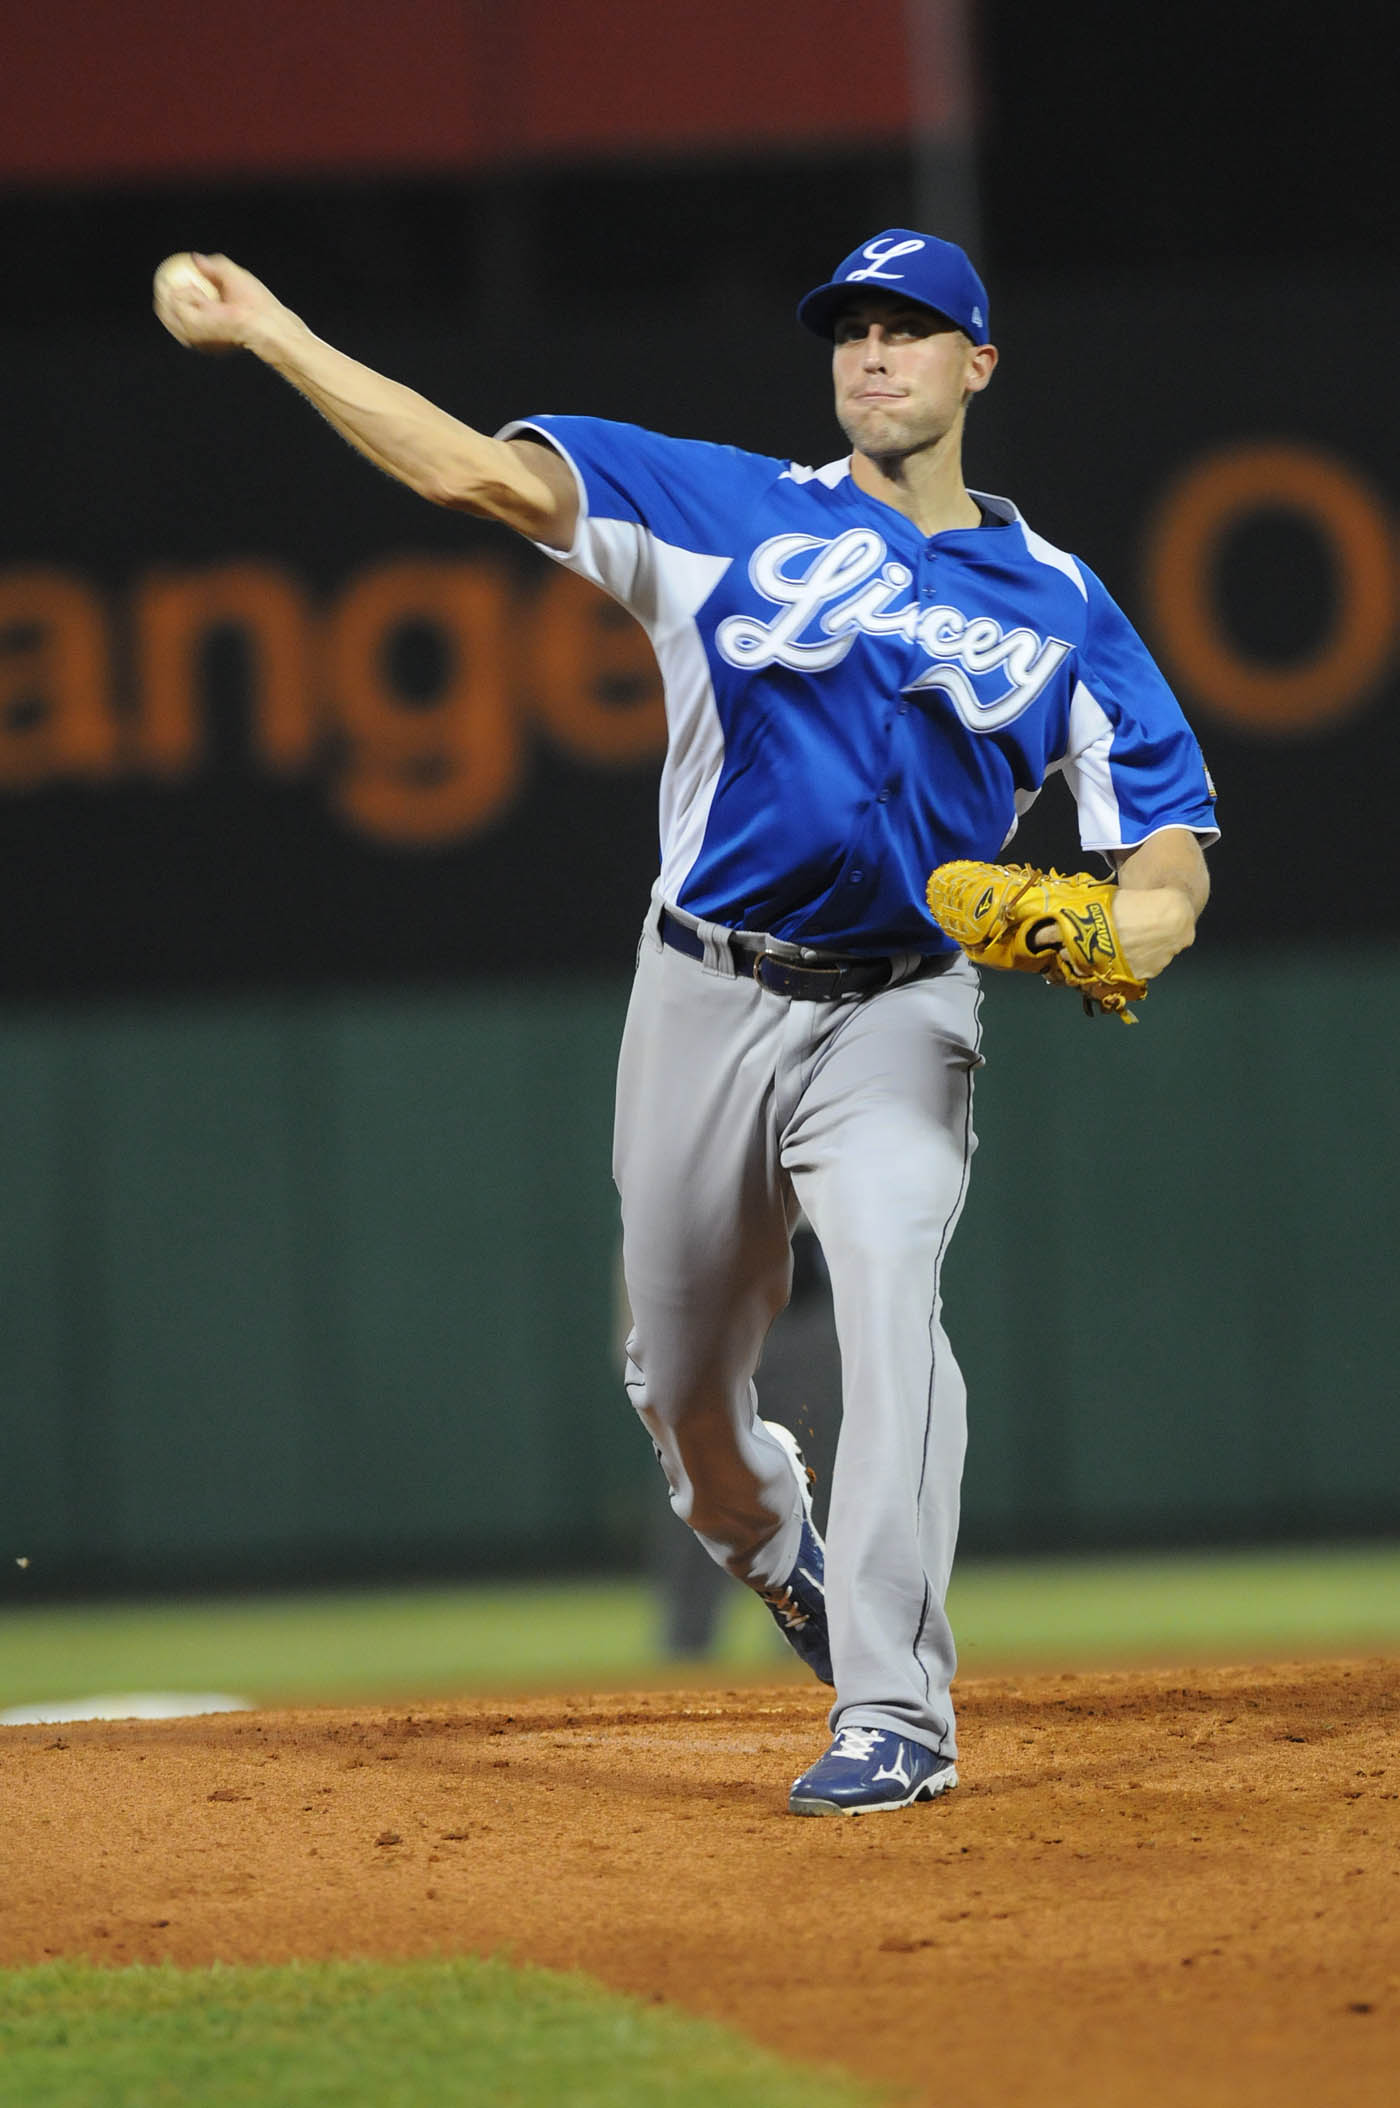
{"x": 818, "y": 312}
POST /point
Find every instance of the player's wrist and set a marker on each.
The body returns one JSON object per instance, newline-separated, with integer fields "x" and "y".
{"x": 277, "y": 337}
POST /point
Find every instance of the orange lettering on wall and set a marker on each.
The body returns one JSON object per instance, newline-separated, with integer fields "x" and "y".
{"x": 55, "y": 680}
{"x": 594, "y": 680}
{"x": 434, "y": 770}
{"x": 1184, "y": 545}
{"x": 173, "y": 617}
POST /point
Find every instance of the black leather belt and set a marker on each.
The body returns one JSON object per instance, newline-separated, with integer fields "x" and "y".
{"x": 792, "y": 977}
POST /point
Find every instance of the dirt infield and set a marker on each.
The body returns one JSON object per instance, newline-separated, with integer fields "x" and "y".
{"x": 1151, "y": 1887}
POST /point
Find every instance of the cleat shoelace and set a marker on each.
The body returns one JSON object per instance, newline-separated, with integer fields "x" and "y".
{"x": 787, "y": 1607}
{"x": 856, "y": 1744}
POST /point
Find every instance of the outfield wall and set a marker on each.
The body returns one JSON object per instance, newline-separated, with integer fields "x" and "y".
{"x": 324, "y": 1286}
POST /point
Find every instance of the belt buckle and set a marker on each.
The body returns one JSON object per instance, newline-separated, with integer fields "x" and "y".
{"x": 760, "y": 960}
{"x": 799, "y": 970}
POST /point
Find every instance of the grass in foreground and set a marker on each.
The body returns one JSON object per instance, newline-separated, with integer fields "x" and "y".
{"x": 412, "y": 1643}
{"x": 373, "y": 2035}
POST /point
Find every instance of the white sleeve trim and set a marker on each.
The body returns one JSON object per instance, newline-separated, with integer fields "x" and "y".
{"x": 1204, "y": 835}
{"x": 661, "y": 584}
{"x": 1089, "y": 775}
{"x": 571, "y": 555}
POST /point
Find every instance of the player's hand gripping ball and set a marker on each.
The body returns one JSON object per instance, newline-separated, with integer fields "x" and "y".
{"x": 183, "y": 297}
{"x": 994, "y": 910}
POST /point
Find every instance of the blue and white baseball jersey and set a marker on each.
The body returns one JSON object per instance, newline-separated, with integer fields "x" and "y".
{"x": 851, "y": 702}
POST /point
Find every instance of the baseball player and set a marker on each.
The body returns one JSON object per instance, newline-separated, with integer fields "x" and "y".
{"x": 870, "y": 671}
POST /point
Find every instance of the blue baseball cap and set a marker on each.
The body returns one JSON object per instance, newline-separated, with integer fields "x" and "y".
{"x": 915, "y": 266}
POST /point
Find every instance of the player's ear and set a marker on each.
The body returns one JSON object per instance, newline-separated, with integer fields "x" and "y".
{"x": 981, "y": 364}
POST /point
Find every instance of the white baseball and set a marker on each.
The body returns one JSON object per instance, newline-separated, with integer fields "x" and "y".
{"x": 181, "y": 274}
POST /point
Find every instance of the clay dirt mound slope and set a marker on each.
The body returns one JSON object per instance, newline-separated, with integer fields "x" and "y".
{"x": 1179, "y": 1885}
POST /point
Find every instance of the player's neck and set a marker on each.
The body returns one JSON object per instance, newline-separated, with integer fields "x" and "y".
{"x": 926, "y": 486}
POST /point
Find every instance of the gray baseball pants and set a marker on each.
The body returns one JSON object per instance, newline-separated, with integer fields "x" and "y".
{"x": 735, "y": 1107}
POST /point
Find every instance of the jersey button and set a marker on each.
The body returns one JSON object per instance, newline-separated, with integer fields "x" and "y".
{"x": 884, "y": 797}
{"x": 855, "y": 877}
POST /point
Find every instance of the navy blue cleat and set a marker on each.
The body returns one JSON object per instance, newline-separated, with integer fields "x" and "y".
{"x": 799, "y": 1604}
{"x": 869, "y": 1769}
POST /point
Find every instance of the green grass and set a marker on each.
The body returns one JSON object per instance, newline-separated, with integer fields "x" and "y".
{"x": 360, "y": 1643}
{"x": 372, "y": 2035}
{"x": 1129, "y": 1609}
{"x": 420, "y": 1642}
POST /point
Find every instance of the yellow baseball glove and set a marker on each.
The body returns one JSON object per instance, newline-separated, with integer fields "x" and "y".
{"x": 992, "y": 909}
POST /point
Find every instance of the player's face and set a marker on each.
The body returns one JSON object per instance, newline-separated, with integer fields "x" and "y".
{"x": 903, "y": 374}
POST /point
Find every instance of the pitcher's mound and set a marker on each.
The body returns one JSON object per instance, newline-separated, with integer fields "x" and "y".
{"x": 1178, "y": 1886}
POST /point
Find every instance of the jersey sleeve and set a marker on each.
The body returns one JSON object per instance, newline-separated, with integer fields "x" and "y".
{"x": 657, "y": 516}
{"x": 1132, "y": 763}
